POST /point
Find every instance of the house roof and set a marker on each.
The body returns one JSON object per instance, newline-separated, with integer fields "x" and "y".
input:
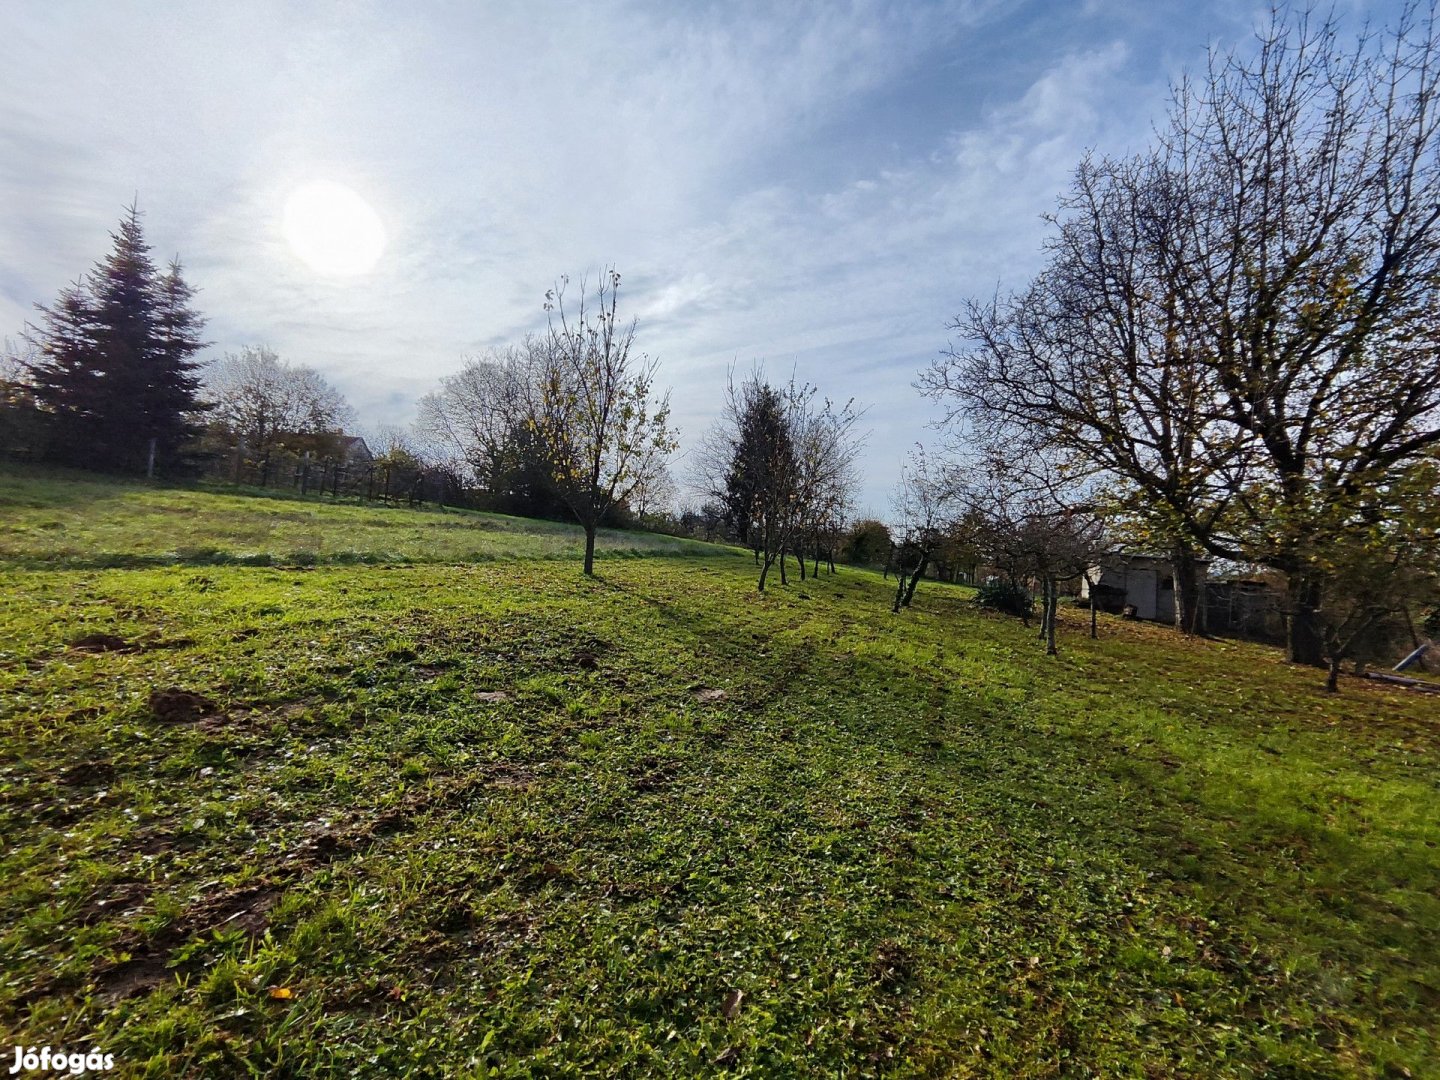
{"x": 1146, "y": 556}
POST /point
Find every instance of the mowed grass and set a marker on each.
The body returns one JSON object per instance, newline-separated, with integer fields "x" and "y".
{"x": 494, "y": 819}
{"x": 74, "y": 520}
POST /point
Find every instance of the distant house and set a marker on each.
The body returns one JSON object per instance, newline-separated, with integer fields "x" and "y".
{"x": 353, "y": 451}
{"x": 1143, "y": 582}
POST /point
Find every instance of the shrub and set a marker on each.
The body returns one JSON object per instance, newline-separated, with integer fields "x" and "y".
{"x": 1006, "y": 596}
{"x": 867, "y": 544}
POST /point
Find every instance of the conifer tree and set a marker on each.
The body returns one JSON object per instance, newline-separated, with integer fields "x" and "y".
{"x": 116, "y": 368}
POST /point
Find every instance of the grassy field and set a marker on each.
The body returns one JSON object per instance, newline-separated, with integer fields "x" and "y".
{"x": 75, "y": 521}
{"x": 465, "y": 813}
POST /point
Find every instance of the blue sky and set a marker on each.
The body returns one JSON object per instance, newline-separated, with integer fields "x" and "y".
{"x": 814, "y": 186}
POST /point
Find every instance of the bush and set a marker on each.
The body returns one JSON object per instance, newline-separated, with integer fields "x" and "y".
{"x": 867, "y": 544}
{"x": 1006, "y": 596}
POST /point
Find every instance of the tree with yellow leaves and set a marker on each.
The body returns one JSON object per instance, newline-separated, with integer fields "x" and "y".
{"x": 601, "y": 427}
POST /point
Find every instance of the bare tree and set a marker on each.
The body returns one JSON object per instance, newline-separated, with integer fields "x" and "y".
{"x": 478, "y": 415}
{"x": 781, "y": 462}
{"x": 926, "y": 504}
{"x": 599, "y": 423}
{"x": 1035, "y": 523}
{"x": 263, "y": 401}
{"x": 1307, "y": 262}
{"x": 1091, "y": 366}
{"x": 1238, "y": 327}
{"x": 655, "y": 493}
{"x": 826, "y": 448}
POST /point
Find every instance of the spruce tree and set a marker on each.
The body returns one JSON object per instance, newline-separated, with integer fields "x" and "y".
{"x": 116, "y": 368}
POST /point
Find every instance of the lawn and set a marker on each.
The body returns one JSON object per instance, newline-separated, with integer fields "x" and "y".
{"x": 440, "y": 806}
{"x": 77, "y": 521}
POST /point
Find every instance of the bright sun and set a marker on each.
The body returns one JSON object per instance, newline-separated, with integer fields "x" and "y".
{"x": 333, "y": 229}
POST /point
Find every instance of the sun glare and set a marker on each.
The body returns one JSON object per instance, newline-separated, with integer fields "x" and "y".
{"x": 332, "y": 229}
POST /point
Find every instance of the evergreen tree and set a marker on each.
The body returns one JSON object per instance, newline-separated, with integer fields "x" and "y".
{"x": 116, "y": 367}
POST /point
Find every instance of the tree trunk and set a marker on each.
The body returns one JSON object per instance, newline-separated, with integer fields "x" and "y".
{"x": 915, "y": 578}
{"x": 1332, "y": 683}
{"x": 1052, "y": 593}
{"x": 1304, "y": 644}
{"x": 764, "y": 572}
{"x": 590, "y": 550}
{"x": 783, "y": 579}
{"x": 1090, "y": 588}
{"x": 1189, "y": 603}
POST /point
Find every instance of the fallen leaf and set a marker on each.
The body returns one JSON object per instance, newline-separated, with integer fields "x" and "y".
{"x": 282, "y": 992}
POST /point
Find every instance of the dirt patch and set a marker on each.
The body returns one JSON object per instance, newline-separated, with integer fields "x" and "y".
{"x": 711, "y": 696}
{"x": 176, "y": 706}
{"x": 87, "y": 774}
{"x": 98, "y": 643}
{"x": 118, "y": 898}
{"x": 491, "y": 696}
{"x": 247, "y": 910}
{"x": 101, "y": 643}
{"x": 654, "y": 773}
{"x": 893, "y": 965}
{"x": 134, "y": 977}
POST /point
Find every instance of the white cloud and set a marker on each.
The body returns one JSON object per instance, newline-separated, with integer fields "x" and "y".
{"x": 730, "y": 159}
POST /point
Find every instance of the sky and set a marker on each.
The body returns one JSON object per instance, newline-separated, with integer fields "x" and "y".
{"x": 815, "y": 187}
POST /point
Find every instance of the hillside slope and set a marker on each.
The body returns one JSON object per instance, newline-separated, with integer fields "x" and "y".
{"x": 68, "y": 519}
{"x": 490, "y": 818}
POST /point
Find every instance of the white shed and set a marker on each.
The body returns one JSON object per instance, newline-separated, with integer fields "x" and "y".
{"x": 1146, "y": 582}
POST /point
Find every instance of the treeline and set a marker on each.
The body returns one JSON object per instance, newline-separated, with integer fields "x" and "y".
{"x": 570, "y": 425}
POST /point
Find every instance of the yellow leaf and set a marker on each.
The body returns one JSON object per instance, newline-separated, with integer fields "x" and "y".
{"x": 282, "y": 992}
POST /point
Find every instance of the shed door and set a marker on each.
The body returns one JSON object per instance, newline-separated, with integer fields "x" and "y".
{"x": 1140, "y": 589}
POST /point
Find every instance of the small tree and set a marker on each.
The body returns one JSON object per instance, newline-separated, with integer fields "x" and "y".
{"x": 1035, "y": 524}
{"x": 599, "y": 424}
{"x": 1381, "y": 568}
{"x": 926, "y": 502}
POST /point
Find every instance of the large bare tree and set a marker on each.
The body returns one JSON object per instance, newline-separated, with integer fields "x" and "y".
{"x": 479, "y": 413}
{"x": 264, "y": 401}
{"x": 1239, "y": 328}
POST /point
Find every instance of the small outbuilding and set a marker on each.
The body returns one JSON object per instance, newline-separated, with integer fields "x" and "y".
{"x": 353, "y": 451}
{"x": 1144, "y": 583}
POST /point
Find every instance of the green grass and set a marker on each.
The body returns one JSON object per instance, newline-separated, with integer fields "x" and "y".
{"x": 52, "y": 519}
{"x": 915, "y": 845}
